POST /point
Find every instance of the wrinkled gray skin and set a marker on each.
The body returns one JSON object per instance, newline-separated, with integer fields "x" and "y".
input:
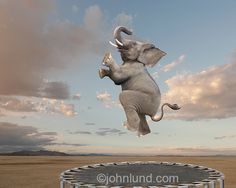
{"x": 140, "y": 94}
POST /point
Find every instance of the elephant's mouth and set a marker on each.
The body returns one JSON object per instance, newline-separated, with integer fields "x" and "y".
{"x": 124, "y": 54}
{"x": 123, "y": 50}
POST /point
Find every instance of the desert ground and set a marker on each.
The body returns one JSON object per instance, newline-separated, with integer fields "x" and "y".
{"x": 43, "y": 172}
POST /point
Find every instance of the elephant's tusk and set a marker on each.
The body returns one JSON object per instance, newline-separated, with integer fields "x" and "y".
{"x": 120, "y": 43}
{"x": 113, "y": 44}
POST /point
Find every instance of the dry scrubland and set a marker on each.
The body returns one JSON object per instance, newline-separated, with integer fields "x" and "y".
{"x": 43, "y": 172}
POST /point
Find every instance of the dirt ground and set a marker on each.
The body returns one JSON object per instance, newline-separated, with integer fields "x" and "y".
{"x": 43, "y": 172}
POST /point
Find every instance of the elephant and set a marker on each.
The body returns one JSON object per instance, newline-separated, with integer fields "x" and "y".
{"x": 140, "y": 94}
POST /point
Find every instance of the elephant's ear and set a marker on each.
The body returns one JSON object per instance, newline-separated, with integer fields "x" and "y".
{"x": 150, "y": 55}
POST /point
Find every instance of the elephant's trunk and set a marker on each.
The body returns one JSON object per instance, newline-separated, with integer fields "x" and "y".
{"x": 117, "y": 34}
{"x": 173, "y": 107}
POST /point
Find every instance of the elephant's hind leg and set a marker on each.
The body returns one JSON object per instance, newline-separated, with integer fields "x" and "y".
{"x": 127, "y": 100}
{"x": 133, "y": 120}
{"x": 143, "y": 126}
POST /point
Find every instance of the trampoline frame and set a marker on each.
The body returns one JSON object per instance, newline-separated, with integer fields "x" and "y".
{"x": 216, "y": 177}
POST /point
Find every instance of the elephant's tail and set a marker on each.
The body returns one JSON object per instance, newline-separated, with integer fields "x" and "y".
{"x": 172, "y": 106}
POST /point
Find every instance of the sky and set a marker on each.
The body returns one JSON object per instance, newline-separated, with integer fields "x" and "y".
{"x": 51, "y": 96}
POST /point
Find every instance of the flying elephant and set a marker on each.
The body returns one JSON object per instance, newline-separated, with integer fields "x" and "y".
{"x": 140, "y": 96}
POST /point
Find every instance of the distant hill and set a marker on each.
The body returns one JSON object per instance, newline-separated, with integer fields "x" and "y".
{"x": 48, "y": 153}
{"x": 91, "y": 154}
{"x": 35, "y": 153}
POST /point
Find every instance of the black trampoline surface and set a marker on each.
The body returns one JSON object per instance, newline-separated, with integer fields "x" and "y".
{"x": 145, "y": 174}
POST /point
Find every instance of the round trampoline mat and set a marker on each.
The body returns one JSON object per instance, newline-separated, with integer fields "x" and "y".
{"x": 143, "y": 174}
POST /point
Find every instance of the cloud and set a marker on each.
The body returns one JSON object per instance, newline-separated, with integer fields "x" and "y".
{"x": 80, "y": 132}
{"x": 77, "y": 96}
{"x": 124, "y": 20}
{"x": 204, "y": 151}
{"x": 54, "y": 90}
{"x": 155, "y": 75}
{"x": 16, "y": 105}
{"x": 209, "y": 94}
{"x": 54, "y": 106}
{"x": 34, "y": 43}
{"x": 75, "y": 8}
{"x": 104, "y": 96}
{"x": 225, "y": 137}
{"x": 89, "y": 123}
{"x": 154, "y": 151}
{"x": 109, "y": 131}
{"x": 174, "y": 63}
{"x": 25, "y": 104}
{"x": 15, "y": 137}
{"x": 93, "y": 18}
{"x": 106, "y": 99}
{"x": 100, "y": 132}
{"x": 169, "y": 66}
{"x": 67, "y": 144}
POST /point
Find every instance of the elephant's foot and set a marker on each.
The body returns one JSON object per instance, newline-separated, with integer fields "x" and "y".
{"x": 107, "y": 60}
{"x": 143, "y": 130}
{"x": 143, "y": 126}
{"x": 103, "y": 73}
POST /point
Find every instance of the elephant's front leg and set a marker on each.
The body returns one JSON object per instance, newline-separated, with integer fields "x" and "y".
{"x": 108, "y": 61}
{"x": 115, "y": 72}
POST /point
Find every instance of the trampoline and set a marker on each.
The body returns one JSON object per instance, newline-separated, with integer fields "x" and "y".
{"x": 142, "y": 174}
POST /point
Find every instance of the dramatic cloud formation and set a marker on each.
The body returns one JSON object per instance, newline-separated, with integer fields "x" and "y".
{"x": 174, "y": 63}
{"x": 26, "y": 104}
{"x": 32, "y": 46}
{"x": 106, "y": 99}
{"x": 209, "y": 94}
{"x": 109, "y": 131}
{"x": 14, "y": 137}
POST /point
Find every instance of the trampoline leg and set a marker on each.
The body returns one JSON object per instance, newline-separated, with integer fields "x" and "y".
{"x": 213, "y": 184}
{"x": 62, "y": 184}
{"x": 222, "y": 184}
